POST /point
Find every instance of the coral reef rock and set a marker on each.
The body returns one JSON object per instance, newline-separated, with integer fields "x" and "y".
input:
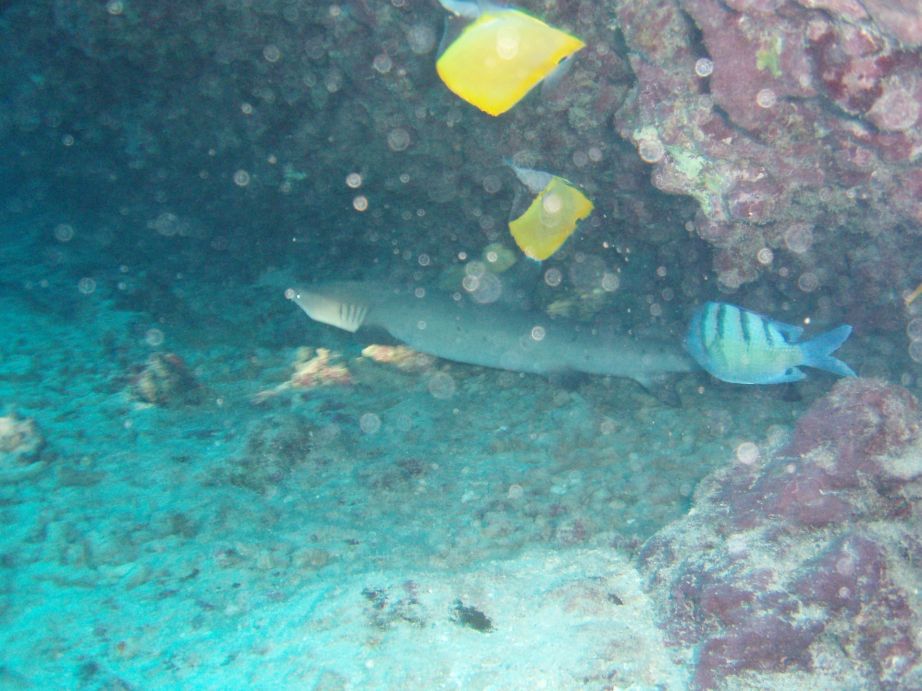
{"x": 804, "y": 562}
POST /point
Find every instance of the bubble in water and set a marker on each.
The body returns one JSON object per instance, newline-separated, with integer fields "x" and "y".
{"x": 766, "y": 98}
{"x": 398, "y": 139}
{"x": 595, "y": 154}
{"x": 154, "y": 338}
{"x": 424, "y": 260}
{"x": 507, "y": 44}
{"x": 586, "y": 271}
{"x": 492, "y": 184}
{"x": 515, "y": 491}
{"x": 915, "y": 351}
{"x": 271, "y": 53}
{"x": 765, "y": 256}
{"x": 552, "y": 203}
{"x": 86, "y": 286}
{"x": 421, "y": 38}
{"x": 538, "y": 333}
{"x": 808, "y": 282}
{"x": 798, "y": 238}
{"x": 651, "y": 150}
{"x": 580, "y": 158}
{"x": 747, "y": 453}
{"x": 241, "y": 178}
{"x": 704, "y": 67}
{"x": 115, "y": 7}
{"x": 914, "y": 330}
{"x": 382, "y": 63}
{"x": 354, "y": 180}
{"x": 610, "y": 282}
{"x": 63, "y": 232}
{"x": 441, "y": 386}
{"x": 489, "y": 288}
{"x": 360, "y": 203}
{"x": 369, "y": 423}
{"x": 553, "y": 277}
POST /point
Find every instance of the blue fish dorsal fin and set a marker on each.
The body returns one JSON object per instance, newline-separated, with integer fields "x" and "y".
{"x": 791, "y": 332}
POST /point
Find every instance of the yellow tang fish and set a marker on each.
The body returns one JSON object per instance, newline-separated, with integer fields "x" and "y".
{"x": 552, "y": 215}
{"x": 501, "y": 55}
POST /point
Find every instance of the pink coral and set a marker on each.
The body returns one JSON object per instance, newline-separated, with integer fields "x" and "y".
{"x": 806, "y": 555}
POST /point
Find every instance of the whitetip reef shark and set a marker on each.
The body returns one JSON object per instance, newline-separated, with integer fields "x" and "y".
{"x": 493, "y": 335}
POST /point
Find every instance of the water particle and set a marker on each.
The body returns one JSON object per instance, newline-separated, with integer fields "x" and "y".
{"x": 492, "y": 184}
{"x": 651, "y": 150}
{"x": 424, "y": 260}
{"x": 798, "y": 238}
{"x": 271, "y": 53}
{"x": 382, "y": 63}
{"x": 595, "y": 154}
{"x": 68, "y": 140}
{"x": 553, "y": 277}
{"x": 747, "y": 453}
{"x": 369, "y": 423}
{"x": 507, "y": 45}
{"x": 914, "y": 330}
{"x": 915, "y": 351}
{"x": 845, "y": 566}
{"x": 538, "y": 333}
{"x": 246, "y": 108}
{"x": 765, "y": 256}
{"x": 360, "y": 203}
{"x": 404, "y": 178}
{"x": 766, "y": 98}
{"x": 552, "y": 204}
{"x": 515, "y": 491}
{"x": 63, "y": 232}
{"x": 704, "y": 67}
{"x": 154, "y": 338}
{"x": 115, "y": 7}
{"x": 441, "y": 386}
{"x": 421, "y": 38}
{"x": 241, "y": 178}
{"x": 354, "y": 180}
{"x": 808, "y": 282}
{"x": 398, "y": 139}
{"x": 86, "y": 286}
{"x": 610, "y": 282}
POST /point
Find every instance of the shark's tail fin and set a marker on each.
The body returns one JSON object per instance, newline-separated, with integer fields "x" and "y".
{"x": 818, "y": 351}
{"x": 346, "y": 311}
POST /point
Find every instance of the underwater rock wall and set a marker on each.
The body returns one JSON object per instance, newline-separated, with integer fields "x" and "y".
{"x": 795, "y": 126}
{"x": 784, "y": 135}
{"x": 803, "y": 559}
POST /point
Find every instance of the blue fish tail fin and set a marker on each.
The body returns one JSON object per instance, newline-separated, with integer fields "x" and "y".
{"x": 818, "y": 351}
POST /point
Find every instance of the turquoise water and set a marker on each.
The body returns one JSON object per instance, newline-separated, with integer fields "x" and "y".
{"x": 200, "y": 487}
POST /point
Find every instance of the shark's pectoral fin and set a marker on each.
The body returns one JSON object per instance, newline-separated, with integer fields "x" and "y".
{"x": 662, "y": 388}
{"x": 568, "y": 380}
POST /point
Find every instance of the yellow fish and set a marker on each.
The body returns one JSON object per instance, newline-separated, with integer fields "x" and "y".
{"x": 501, "y": 55}
{"x": 552, "y": 215}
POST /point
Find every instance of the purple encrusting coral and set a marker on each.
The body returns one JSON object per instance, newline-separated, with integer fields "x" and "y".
{"x": 804, "y": 562}
{"x": 808, "y": 113}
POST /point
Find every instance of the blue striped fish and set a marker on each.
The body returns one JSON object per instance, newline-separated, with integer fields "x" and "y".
{"x": 742, "y": 347}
